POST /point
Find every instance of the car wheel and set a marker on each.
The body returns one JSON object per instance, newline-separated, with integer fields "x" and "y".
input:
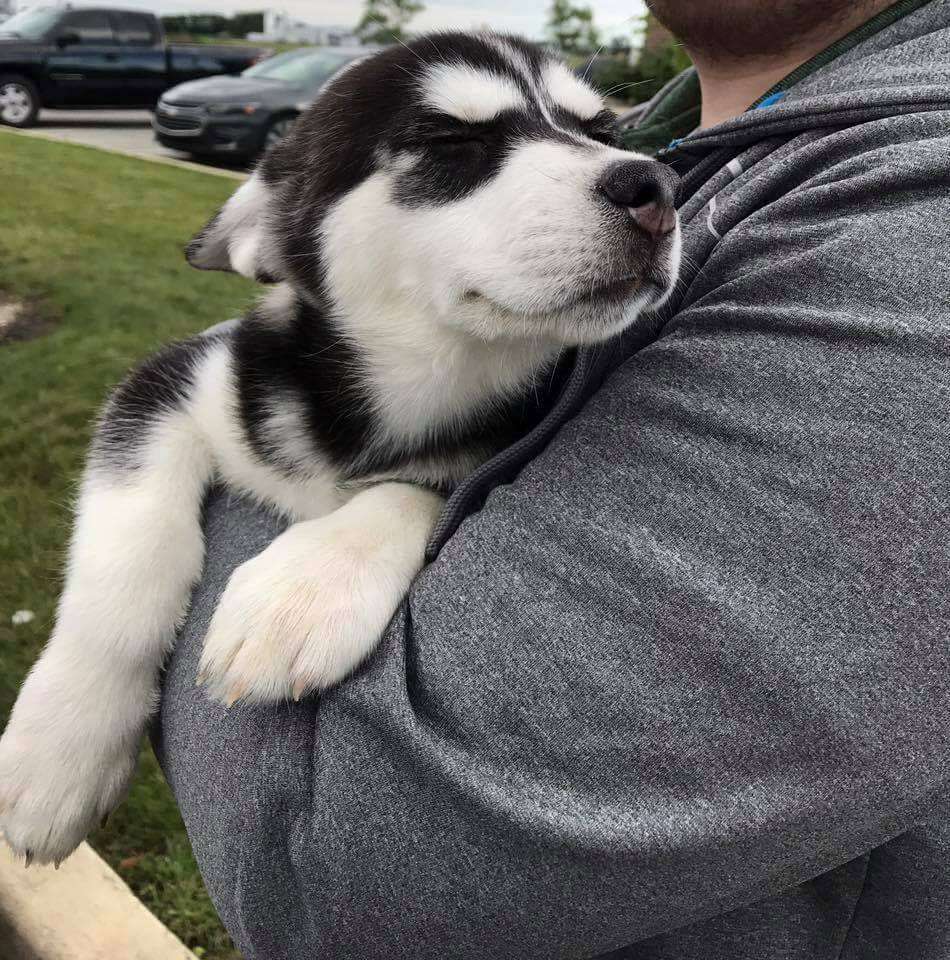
{"x": 19, "y": 102}
{"x": 278, "y": 129}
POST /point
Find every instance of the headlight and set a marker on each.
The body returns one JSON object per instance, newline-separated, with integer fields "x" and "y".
{"x": 224, "y": 109}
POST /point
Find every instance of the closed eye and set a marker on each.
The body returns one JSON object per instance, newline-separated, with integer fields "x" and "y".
{"x": 440, "y": 131}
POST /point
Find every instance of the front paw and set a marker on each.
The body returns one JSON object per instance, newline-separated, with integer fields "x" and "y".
{"x": 303, "y": 614}
{"x": 55, "y": 786}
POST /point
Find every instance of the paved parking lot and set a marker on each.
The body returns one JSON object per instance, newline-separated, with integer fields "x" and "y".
{"x": 125, "y": 131}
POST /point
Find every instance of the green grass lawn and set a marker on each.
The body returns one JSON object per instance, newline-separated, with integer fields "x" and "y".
{"x": 97, "y": 239}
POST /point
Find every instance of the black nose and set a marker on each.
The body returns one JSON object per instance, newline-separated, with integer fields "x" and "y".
{"x": 646, "y": 189}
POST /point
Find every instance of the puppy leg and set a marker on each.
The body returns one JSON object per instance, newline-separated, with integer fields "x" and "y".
{"x": 311, "y": 607}
{"x": 70, "y": 745}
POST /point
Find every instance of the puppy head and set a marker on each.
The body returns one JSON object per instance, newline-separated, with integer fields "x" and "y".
{"x": 469, "y": 179}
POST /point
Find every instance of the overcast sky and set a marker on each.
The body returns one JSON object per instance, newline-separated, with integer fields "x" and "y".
{"x": 519, "y": 16}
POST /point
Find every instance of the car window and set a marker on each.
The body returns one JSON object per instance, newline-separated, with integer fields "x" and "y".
{"x": 31, "y": 24}
{"x": 134, "y": 30}
{"x": 91, "y": 26}
{"x": 309, "y": 69}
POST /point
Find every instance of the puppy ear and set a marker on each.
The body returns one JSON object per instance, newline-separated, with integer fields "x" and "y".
{"x": 236, "y": 237}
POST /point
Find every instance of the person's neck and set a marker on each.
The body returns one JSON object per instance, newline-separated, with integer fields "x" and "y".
{"x": 731, "y": 83}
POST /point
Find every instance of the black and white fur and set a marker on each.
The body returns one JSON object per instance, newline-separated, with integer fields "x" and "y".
{"x": 447, "y": 218}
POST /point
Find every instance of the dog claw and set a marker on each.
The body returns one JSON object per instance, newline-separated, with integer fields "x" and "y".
{"x": 104, "y": 820}
{"x": 300, "y": 688}
{"x": 235, "y": 694}
{"x": 27, "y": 858}
{"x": 56, "y": 864}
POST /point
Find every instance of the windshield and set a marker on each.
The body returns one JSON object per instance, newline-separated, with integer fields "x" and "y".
{"x": 302, "y": 68}
{"x": 31, "y": 24}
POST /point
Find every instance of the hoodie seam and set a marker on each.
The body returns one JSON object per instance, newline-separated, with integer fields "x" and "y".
{"x": 856, "y": 909}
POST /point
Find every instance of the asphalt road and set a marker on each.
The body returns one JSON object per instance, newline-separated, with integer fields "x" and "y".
{"x": 126, "y": 131}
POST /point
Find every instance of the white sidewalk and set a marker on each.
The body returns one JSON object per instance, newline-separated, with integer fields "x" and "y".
{"x": 121, "y": 146}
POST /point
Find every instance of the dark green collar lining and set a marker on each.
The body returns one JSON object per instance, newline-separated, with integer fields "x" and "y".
{"x": 676, "y": 112}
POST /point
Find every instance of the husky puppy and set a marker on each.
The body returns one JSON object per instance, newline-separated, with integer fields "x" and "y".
{"x": 445, "y": 221}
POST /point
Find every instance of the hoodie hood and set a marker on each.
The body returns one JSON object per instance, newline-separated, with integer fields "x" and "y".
{"x": 897, "y": 62}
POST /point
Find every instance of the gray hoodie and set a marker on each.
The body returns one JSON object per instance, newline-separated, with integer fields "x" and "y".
{"x": 676, "y": 683}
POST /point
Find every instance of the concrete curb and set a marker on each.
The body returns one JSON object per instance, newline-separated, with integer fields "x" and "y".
{"x": 168, "y": 161}
{"x": 83, "y": 911}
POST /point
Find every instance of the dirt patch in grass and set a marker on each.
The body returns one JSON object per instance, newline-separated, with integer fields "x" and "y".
{"x": 25, "y": 319}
